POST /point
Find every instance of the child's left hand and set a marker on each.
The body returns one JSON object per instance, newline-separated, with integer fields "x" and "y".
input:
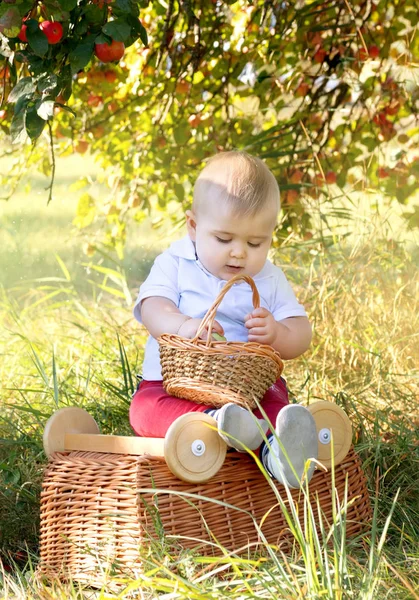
{"x": 262, "y": 326}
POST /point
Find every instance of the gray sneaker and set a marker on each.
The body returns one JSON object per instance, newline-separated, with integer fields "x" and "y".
{"x": 241, "y": 424}
{"x": 296, "y": 430}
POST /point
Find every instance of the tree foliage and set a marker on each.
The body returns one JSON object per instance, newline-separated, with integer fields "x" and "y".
{"x": 326, "y": 92}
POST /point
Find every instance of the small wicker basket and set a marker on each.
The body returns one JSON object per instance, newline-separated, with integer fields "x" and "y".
{"x": 214, "y": 373}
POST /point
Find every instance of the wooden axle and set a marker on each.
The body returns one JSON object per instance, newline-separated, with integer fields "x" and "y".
{"x": 115, "y": 444}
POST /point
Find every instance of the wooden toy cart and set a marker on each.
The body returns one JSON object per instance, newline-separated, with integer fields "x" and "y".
{"x": 104, "y": 498}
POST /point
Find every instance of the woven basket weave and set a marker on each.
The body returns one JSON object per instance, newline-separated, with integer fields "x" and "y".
{"x": 95, "y": 520}
{"x": 215, "y": 373}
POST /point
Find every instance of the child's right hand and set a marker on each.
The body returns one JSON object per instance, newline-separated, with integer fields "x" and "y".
{"x": 189, "y": 328}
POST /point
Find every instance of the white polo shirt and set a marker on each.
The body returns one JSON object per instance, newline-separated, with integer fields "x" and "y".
{"x": 178, "y": 275}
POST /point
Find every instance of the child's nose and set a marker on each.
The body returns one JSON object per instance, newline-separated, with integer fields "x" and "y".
{"x": 238, "y": 250}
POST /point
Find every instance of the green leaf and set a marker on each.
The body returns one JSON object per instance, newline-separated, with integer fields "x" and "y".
{"x": 124, "y": 6}
{"x": 412, "y": 218}
{"x": 36, "y": 64}
{"x": 119, "y": 30}
{"x": 68, "y": 4}
{"x": 103, "y": 39}
{"x": 37, "y": 40}
{"x": 403, "y": 193}
{"x": 10, "y": 20}
{"x": 11, "y": 477}
{"x": 21, "y": 104}
{"x": 86, "y": 211}
{"x": 66, "y": 108}
{"x": 179, "y": 191}
{"x": 66, "y": 82}
{"x": 47, "y": 83}
{"x": 82, "y": 54}
{"x": 34, "y": 125}
{"x": 46, "y": 109}
{"x": 17, "y": 127}
{"x": 81, "y": 28}
{"x": 182, "y": 133}
{"x": 79, "y": 184}
{"x": 92, "y": 13}
{"x": 56, "y": 10}
{"x": 24, "y": 87}
{"x": 24, "y": 6}
{"x": 138, "y": 30}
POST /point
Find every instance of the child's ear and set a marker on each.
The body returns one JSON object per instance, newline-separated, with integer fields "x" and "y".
{"x": 191, "y": 224}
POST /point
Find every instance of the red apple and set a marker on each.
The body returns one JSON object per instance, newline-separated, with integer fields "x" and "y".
{"x": 96, "y": 77}
{"x": 390, "y": 84}
{"x": 296, "y": 176}
{"x": 318, "y": 180}
{"x": 22, "y": 33}
{"x": 94, "y": 100}
{"x": 374, "y": 51}
{"x": 110, "y": 52}
{"x": 320, "y": 55}
{"x": 82, "y": 146}
{"x": 314, "y": 39}
{"x": 161, "y": 142}
{"x": 98, "y": 132}
{"x": 59, "y": 133}
{"x": 53, "y": 31}
{"x": 330, "y": 177}
{"x": 194, "y": 120}
{"x": 291, "y": 196}
{"x": 380, "y": 119}
{"x": 392, "y": 108}
{"x": 112, "y": 107}
{"x": 182, "y": 87}
{"x": 362, "y": 54}
{"x": 302, "y": 89}
{"x": 101, "y": 3}
{"x": 387, "y": 130}
{"x": 382, "y": 173}
{"x": 110, "y": 76}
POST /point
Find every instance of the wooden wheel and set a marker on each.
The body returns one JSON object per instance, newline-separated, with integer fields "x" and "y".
{"x": 331, "y": 420}
{"x": 194, "y": 452}
{"x": 66, "y": 420}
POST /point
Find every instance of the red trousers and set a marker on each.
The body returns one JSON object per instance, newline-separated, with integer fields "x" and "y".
{"x": 152, "y": 410}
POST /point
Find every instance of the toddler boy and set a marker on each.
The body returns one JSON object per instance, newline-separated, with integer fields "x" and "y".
{"x": 230, "y": 227}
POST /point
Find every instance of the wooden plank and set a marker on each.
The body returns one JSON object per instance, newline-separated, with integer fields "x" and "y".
{"x": 115, "y": 444}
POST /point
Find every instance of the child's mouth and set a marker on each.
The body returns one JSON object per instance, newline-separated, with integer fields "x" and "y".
{"x": 233, "y": 269}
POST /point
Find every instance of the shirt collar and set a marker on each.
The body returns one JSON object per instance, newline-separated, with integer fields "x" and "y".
{"x": 183, "y": 248}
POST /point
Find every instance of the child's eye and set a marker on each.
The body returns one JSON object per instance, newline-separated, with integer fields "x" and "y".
{"x": 253, "y": 245}
{"x": 222, "y": 241}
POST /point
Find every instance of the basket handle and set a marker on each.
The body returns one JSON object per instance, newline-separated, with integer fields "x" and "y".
{"x": 208, "y": 320}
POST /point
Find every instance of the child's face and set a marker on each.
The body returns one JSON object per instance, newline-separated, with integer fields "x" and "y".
{"x": 228, "y": 244}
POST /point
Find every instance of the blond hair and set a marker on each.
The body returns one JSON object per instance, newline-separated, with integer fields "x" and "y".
{"x": 243, "y": 181}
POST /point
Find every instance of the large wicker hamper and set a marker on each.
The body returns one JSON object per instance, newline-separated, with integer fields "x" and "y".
{"x": 95, "y": 519}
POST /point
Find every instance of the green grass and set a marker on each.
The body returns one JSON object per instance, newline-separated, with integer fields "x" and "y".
{"x": 68, "y": 342}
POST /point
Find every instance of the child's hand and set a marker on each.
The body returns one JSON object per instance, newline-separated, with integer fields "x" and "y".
{"x": 189, "y": 328}
{"x": 262, "y": 326}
